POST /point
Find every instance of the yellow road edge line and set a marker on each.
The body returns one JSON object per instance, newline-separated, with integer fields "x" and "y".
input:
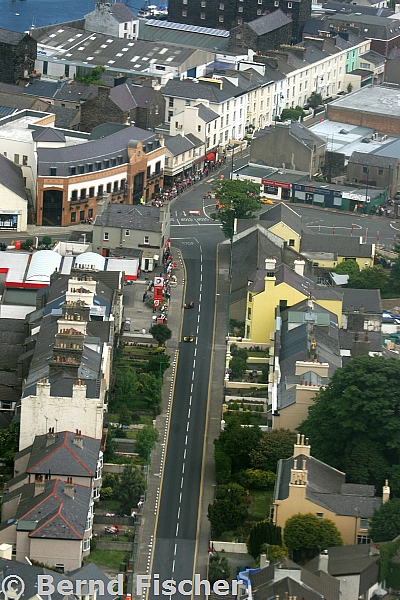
{"x": 206, "y": 427}
{"x": 167, "y": 440}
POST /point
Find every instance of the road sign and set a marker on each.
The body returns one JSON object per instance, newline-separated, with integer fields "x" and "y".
{"x": 194, "y": 212}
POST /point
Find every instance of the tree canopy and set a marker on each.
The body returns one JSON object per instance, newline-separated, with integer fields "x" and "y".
{"x": 93, "y": 77}
{"x": 385, "y": 522}
{"x": 237, "y": 442}
{"x": 129, "y": 488}
{"x": 146, "y": 439}
{"x": 361, "y": 405}
{"x": 161, "y": 333}
{"x": 9, "y": 439}
{"x": 272, "y": 446}
{"x": 308, "y": 534}
{"x": 238, "y": 200}
{"x": 314, "y": 100}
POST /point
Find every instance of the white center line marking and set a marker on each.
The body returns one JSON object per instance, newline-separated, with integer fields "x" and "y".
{"x": 179, "y": 512}
{"x": 173, "y": 565}
{"x": 175, "y": 549}
{"x": 186, "y": 440}
{"x": 182, "y": 482}
{"x": 183, "y": 468}
{"x": 187, "y": 426}
{"x": 184, "y": 454}
{"x": 180, "y": 495}
{"x": 189, "y": 413}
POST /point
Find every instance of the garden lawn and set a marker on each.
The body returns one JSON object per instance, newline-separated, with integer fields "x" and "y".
{"x": 108, "y": 558}
{"x": 262, "y": 501}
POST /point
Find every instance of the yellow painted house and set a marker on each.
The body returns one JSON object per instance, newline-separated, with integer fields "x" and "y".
{"x": 284, "y": 287}
{"x": 284, "y": 222}
{"x": 330, "y": 250}
{"x": 307, "y": 485}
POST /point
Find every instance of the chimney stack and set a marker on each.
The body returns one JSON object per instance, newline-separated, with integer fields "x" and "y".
{"x": 69, "y": 488}
{"x": 264, "y": 562}
{"x": 50, "y": 437}
{"x": 299, "y": 265}
{"x": 362, "y": 308}
{"x": 386, "y": 492}
{"x": 302, "y": 446}
{"x": 39, "y": 485}
{"x": 323, "y": 561}
{"x": 78, "y": 439}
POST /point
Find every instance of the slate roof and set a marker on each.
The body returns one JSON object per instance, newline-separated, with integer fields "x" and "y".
{"x": 128, "y": 96}
{"x": 195, "y": 91}
{"x": 346, "y": 338}
{"x": 374, "y": 57}
{"x": 51, "y": 514}
{"x": 63, "y": 457}
{"x": 108, "y": 147}
{"x": 48, "y": 134}
{"x": 305, "y": 136}
{"x": 325, "y": 488}
{"x": 29, "y": 574}
{"x": 280, "y": 212}
{"x": 195, "y": 141}
{"x": 66, "y": 117}
{"x": 19, "y": 102}
{"x": 346, "y": 560}
{"x": 76, "y": 92}
{"x": 143, "y": 218}
{"x": 177, "y": 144}
{"x": 185, "y": 35}
{"x": 41, "y": 88}
{"x": 269, "y": 22}
{"x": 371, "y": 299}
{"x": 374, "y": 160}
{"x": 121, "y": 12}
{"x": 10, "y": 37}
{"x": 206, "y": 114}
{"x": 11, "y": 177}
{"x": 377, "y": 27}
{"x": 91, "y": 572}
{"x": 339, "y": 244}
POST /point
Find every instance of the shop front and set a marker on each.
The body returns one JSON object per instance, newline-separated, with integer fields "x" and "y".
{"x": 275, "y": 190}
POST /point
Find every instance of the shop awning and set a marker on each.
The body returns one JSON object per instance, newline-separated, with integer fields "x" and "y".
{"x": 210, "y": 156}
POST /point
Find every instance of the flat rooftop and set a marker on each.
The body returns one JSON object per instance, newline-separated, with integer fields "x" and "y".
{"x": 253, "y": 170}
{"x": 377, "y": 99}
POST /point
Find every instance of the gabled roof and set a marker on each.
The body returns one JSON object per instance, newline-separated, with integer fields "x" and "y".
{"x": 370, "y": 299}
{"x": 41, "y": 88}
{"x": 346, "y": 560}
{"x": 10, "y": 37}
{"x": 206, "y": 114}
{"x": 48, "y": 134}
{"x": 52, "y": 514}
{"x": 305, "y": 136}
{"x": 325, "y": 488}
{"x": 374, "y": 160}
{"x": 282, "y": 213}
{"x": 142, "y": 218}
{"x": 269, "y": 22}
{"x": 64, "y": 457}
{"x": 29, "y": 574}
{"x": 75, "y": 91}
{"x": 121, "y": 12}
{"x": 195, "y": 91}
{"x": 338, "y": 244}
{"x": 11, "y": 177}
{"x": 177, "y": 144}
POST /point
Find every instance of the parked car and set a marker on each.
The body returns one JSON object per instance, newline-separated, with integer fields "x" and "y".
{"x": 127, "y": 324}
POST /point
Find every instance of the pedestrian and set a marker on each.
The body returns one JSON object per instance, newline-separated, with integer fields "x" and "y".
{"x": 144, "y": 297}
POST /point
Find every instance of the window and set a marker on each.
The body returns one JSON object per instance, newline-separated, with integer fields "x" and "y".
{"x": 187, "y": 102}
{"x": 16, "y": 160}
{"x": 291, "y": 243}
{"x": 170, "y": 115}
{"x": 363, "y": 539}
{"x": 240, "y": 9}
{"x": 320, "y": 515}
{"x": 380, "y": 171}
{"x": 259, "y": 11}
{"x": 73, "y": 217}
{"x": 90, "y": 213}
{"x": 115, "y": 186}
{"x": 108, "y": 188}
{"x": 250, "y": 297}
{"x": 158, "y": 167}
{"x": 184, "y": 13}
{"x": 365, "y": 170}
{"x": 74, "y": 195}
{"x": 89, "y": 167}
{"x": 113, "y": 162}
{"x": 72, "y": 170}
{"x": 203, "y": 4}
{"x": 60, "y": 566}
{"x": 53, "y": 171}
{"x": 276, "y": 3}
{"x": 98, "y": 166}
{"x": 248, "y": 314}
{"x": 202, "y": 16}
{"x": 364, "y": 525}
{"x": 221, "y": 6}
{"x": 127, "y": 232}
{"x": 221, "y": 18}
{"x": 106, "y": 164}
{"x": 25, "y": 161}
{"x": 100, "y": 190}
{"x": 83, "y": 194}
{"x": 91, "y": 192}
{"x": 81, "y": 169}
{"x": 199, "y": 128}
{"x": 45, "y": 65}
{"x": 121, "y": 160}
{"x": 226, "y": 136}
{"x": 82, "y": 215}
{"x": 86, "y": 543}
{"x": 289, "y": 5}
{"x": 146, "y": 240}
{"x": 106, "y": 236}
{"x": 227, "y": 120}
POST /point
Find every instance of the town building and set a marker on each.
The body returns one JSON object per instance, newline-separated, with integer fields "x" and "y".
{"x": 112, "y": 18}
{"x": 221, "y": 15}
{"x": 183, "y": 153}
{"x": 375, "y": 171}
{"x": 13, "y": 197}
{"x": 288, "y": 146}
{"x": 141, "y": 228}
{"x": 263, "y": 34}
{"x": 374, "y": 106}
{"x": 198, "y": 120}
{"x": 124, "y": 103}
{"x": 307, "y": 485}
{"x": 328, "y": 251}
{"x": 384, "y": 33}
{"x": 17, "y": 56}
{"x": 127, "y": 165}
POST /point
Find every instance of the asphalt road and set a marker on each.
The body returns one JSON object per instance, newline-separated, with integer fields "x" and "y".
{"x": 379, "y": 230}
{"x": 175, "y": 540}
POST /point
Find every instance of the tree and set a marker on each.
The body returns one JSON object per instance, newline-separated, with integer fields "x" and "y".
{"x": 315, "y": 100}
{"x": 238, "y": 200}
{"x": 385, "y": 522}
{"x": 125, "y": 415}
{"x": 226, "y": 516}
{"x": 263, "y": 532}
{"x": 395, "y": 272}
{"x": 347, "y": 267}
{"x": 9, "y": 439}
{"x": 148, "y": 436}
{"x": 222, "y": 466}
{"x": 93, "y": 77}
{"x": 292, "y": 114}
{"x": 273, "y": 446}
{"x": 370, "y": 278}
{"x": 129, "y": 488}
{"x": 161, "y": 333}
{"x": 237, "y": 442}
{"x": 125, "y": 389}
{"x": 148, "y": 387}
{"x": 232, "y": 492}
{"x": 361, "y": 402}
{"x": 256, "y": 479}
{"x": 218, "y": 568}
{"x": 307, "y": 534}
{"x": 349, "y": 88}
{"x": 238, "y": 366}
